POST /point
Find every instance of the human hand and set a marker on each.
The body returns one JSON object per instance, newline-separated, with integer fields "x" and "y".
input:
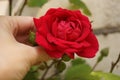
{"x": 16, "y": 57}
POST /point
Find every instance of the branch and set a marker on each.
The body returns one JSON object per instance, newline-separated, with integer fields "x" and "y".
{"x": 106, "y": 30}
{"x": 114, "y": 64}
{"x": 10, "y": 7}
{"x": 95, "y": 66}
{"x": 44, "y": 74}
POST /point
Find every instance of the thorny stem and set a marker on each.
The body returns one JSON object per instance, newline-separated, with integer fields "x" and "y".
{"x": 10, "y": 7}
{"x": 48, "y": 67}
{"x": 56, "y": 72}
{"x": 44, "y": 74}
{"x": 114, "y": 64}
{"x": 95, "y": 65}
{"x": 100, "y": 58}
{"x": 45, "y": 64}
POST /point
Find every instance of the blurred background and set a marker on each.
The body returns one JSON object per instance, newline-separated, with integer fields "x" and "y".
{"x": 104, "y": 14}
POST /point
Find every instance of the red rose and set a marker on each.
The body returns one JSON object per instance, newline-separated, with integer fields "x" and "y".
{"x": 61, "y": 31}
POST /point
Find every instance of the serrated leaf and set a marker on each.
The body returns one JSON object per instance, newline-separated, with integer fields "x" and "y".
{"x": 36, "y": 3}
{"x": 32, "y": 75}
{"x": 34, "y": 68}
{"x": 77, "y": 4}
{"x": 106, "y": 76}
{"x": 78, "y": 72}
{"x": 78, "y": 61}
{"x": 86, "y": 11}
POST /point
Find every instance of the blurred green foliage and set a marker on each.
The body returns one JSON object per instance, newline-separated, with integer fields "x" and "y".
{"x": 33, "y": 74}
{"x": 79, "y": 4}
{"x": 60, "y": 66}
{"x": 105, "y": 76}
{"x": 36, "y": 3}
{"x": 75, "y": 5}
{"x": 78, "y": 72}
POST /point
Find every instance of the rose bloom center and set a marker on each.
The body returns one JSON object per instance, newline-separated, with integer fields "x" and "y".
{"x": 68, "y": 30}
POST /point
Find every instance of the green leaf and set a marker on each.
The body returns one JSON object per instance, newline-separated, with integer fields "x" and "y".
{"x": 32, "y": 38}
{"x": 36, "y": 3}
{"x": 66, "y": 58}
{"x": 78, "y": 4}
{"x": 32, "y": 74}
{"x": 78, "y": 72}
{"x": 78, "y": 61}
{"x": 60, "y": 66}
{"x": 90, "y": 77}
{"x": 34, "y": 68}
{"x": 106, "y": 76}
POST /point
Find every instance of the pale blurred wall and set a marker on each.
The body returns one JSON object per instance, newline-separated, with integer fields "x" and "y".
{"x": 4, "y": 7}
{"x": 105, "y": 13}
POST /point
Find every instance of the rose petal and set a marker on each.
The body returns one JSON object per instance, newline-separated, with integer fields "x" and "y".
{"x": 90, "y": 51}
{"x": 54, "y": 28}
{"x": 71, "y": 55}
{"x": 80, "y": 16}
{"x": 39, "y": 23}
{"x": 86, "y": 28}
{"x": 51, "y": 11}
{"x": 63, "y": 14}
{"x": 70, "y": 52}
{"x": 43, "y": 42}
{"x": 51, "y": 39}
{"x": 55, "y": 54}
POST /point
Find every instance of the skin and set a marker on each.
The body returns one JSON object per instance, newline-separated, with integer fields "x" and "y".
{"x": 16, "y": 55}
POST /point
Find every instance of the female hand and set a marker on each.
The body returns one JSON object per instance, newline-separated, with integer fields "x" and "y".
{"x": 16, "y": 57}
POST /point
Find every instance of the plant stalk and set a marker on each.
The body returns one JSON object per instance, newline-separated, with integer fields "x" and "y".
{"x": 10, "y": 7}
{"x": 44, "y": 74}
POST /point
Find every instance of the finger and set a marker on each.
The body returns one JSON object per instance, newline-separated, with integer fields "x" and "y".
{"x": 36, "y": 55}
{"x": 20, "y": 23}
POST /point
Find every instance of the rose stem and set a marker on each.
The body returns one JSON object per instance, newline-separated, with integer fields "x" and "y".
{"x": 44, "y": 74}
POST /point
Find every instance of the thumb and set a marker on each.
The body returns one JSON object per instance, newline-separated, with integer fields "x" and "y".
{"x": 36, "y": 55}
